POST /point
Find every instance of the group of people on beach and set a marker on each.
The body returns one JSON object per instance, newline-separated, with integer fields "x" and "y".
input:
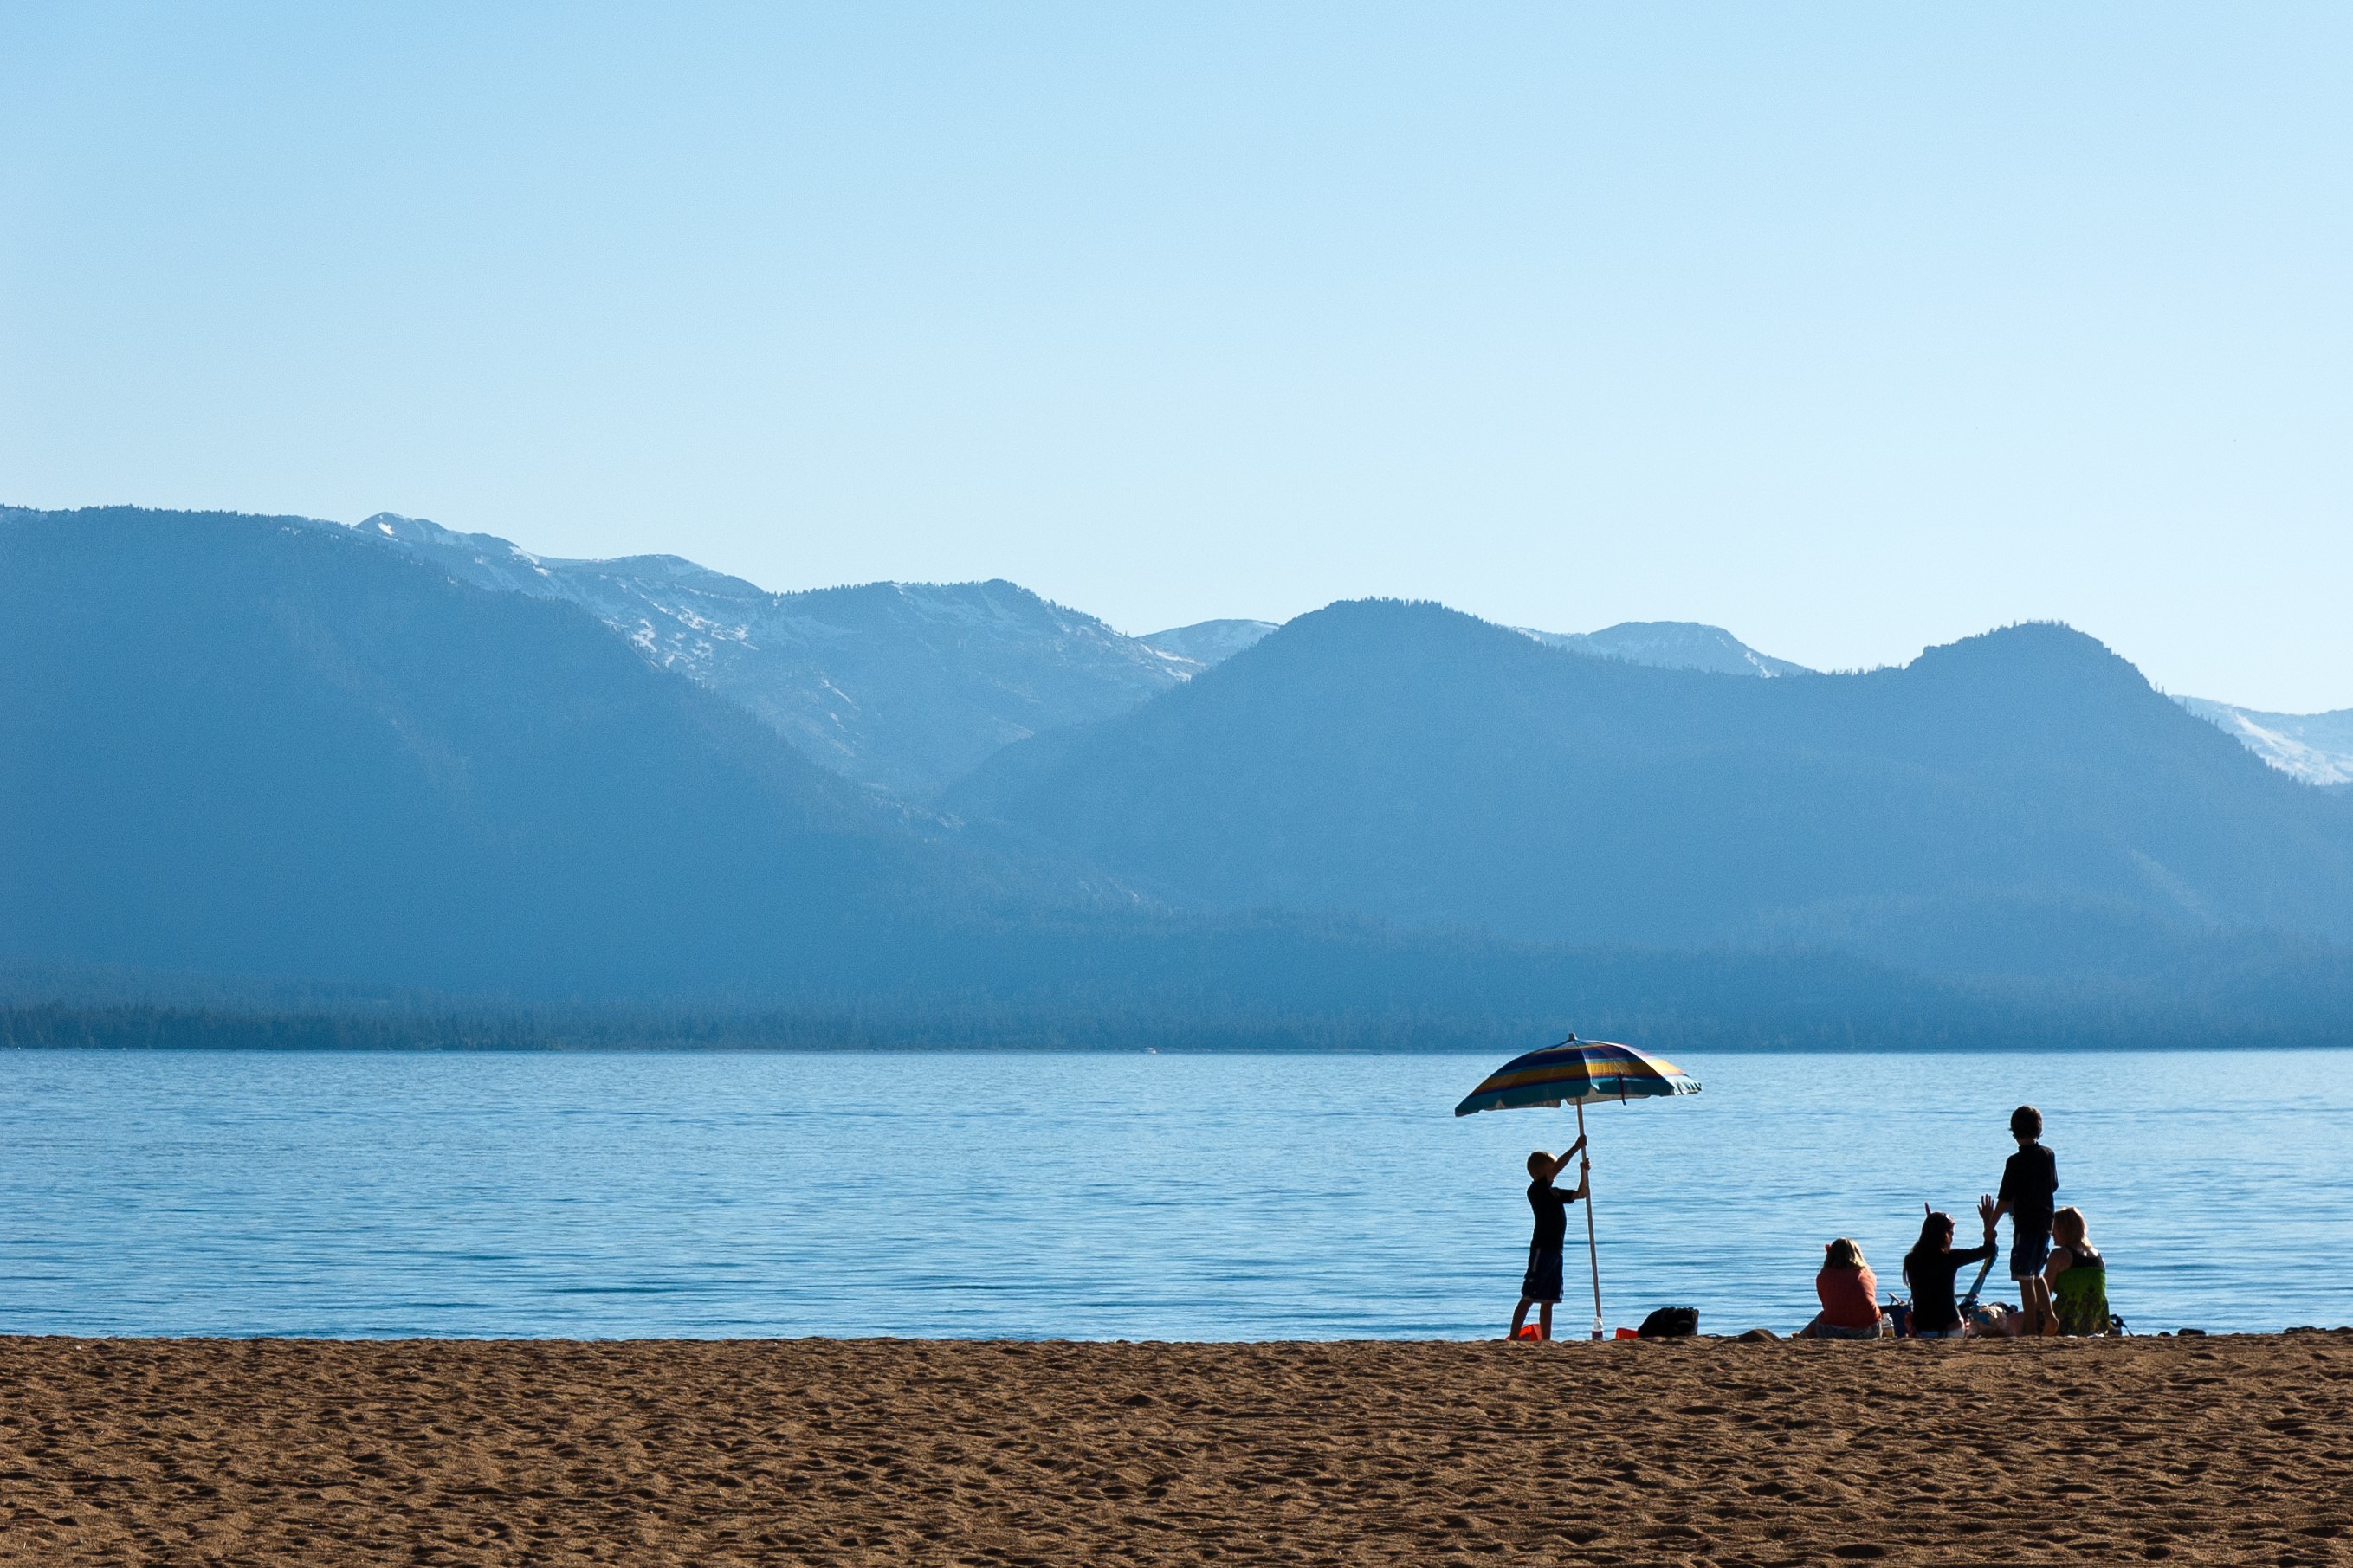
{"x": 2060, "y": 1276}
{"x": 2062, "y": 1279}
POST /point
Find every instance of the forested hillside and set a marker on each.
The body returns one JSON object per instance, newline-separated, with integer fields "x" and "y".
{"x": 2018, "y": 803}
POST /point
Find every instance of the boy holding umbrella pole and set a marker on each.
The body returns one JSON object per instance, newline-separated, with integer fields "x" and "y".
{"x": 1541, "y": 1286}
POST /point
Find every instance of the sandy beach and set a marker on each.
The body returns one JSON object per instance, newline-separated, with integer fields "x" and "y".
{"x": 2217, "y": 1450}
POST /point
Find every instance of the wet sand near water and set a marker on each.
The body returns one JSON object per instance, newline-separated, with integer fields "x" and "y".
{"x": 2235, "y": 1450}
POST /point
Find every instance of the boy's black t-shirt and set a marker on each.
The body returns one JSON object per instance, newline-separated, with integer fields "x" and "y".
{"x": 1551, "y": 1205}
{"x": 2029, "y": 1182}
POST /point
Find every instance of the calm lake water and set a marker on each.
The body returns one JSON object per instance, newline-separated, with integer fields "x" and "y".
{"x": 1125, "y": 1196}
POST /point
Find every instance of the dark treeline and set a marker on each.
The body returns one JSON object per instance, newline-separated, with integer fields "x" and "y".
{"x": 1964, "y": 1023}
{"x": 58, "y": 1026}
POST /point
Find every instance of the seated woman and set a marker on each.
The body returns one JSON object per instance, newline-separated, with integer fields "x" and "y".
{"x": 1929, "y": 1268}
{"x": 2077, "y": 1275}
{"x": 1850, "y": 1295}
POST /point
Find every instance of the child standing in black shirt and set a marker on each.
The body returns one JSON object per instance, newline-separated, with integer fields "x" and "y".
{"x": 1541, "y": 1285}
{"x": 2030, "y": 1187}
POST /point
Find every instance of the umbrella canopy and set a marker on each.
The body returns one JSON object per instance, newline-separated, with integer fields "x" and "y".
{"x": 1578, "y": 1072}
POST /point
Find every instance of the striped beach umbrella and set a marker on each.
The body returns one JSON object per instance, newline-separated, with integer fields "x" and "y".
{"x": 1579, "y": 1072}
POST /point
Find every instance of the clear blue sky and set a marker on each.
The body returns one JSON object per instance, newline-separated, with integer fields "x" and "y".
{"x": 1852, "y": 327}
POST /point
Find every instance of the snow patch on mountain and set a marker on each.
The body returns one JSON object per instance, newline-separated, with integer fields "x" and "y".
{"x": 2315, "y": 747}
{"x": 1669, "y": 645}
{"x": 1205, "y": 644}
{"x": 903, "y": 685}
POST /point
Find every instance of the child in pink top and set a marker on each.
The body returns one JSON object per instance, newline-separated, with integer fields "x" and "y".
{"x": 1850, "y": 1296}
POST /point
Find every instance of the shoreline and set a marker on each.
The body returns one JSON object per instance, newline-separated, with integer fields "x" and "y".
{"x": 2223, "y": 1447}
{"x": 8, "y": 1341}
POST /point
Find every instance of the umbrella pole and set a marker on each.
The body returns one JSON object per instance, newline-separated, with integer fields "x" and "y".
{"x": 1592, "y": 1251}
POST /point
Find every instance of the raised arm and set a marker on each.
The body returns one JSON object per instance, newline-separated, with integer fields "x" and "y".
{"x": 1566, "y": 1156}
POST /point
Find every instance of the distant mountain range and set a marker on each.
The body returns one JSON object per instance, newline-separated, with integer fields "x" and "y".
{"x": 238, "y": 751}
{"x": 909, "y": 686}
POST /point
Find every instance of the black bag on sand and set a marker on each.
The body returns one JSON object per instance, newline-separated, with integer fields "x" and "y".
{"x": 1670, "y": 1323}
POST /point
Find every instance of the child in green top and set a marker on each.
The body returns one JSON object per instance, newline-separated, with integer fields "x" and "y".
{"x": 2076, "y": 1277}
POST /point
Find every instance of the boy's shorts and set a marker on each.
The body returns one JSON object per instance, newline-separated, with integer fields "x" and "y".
{"x": 2028, "y": 1251}
{"x": 1543, "y": 1280}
